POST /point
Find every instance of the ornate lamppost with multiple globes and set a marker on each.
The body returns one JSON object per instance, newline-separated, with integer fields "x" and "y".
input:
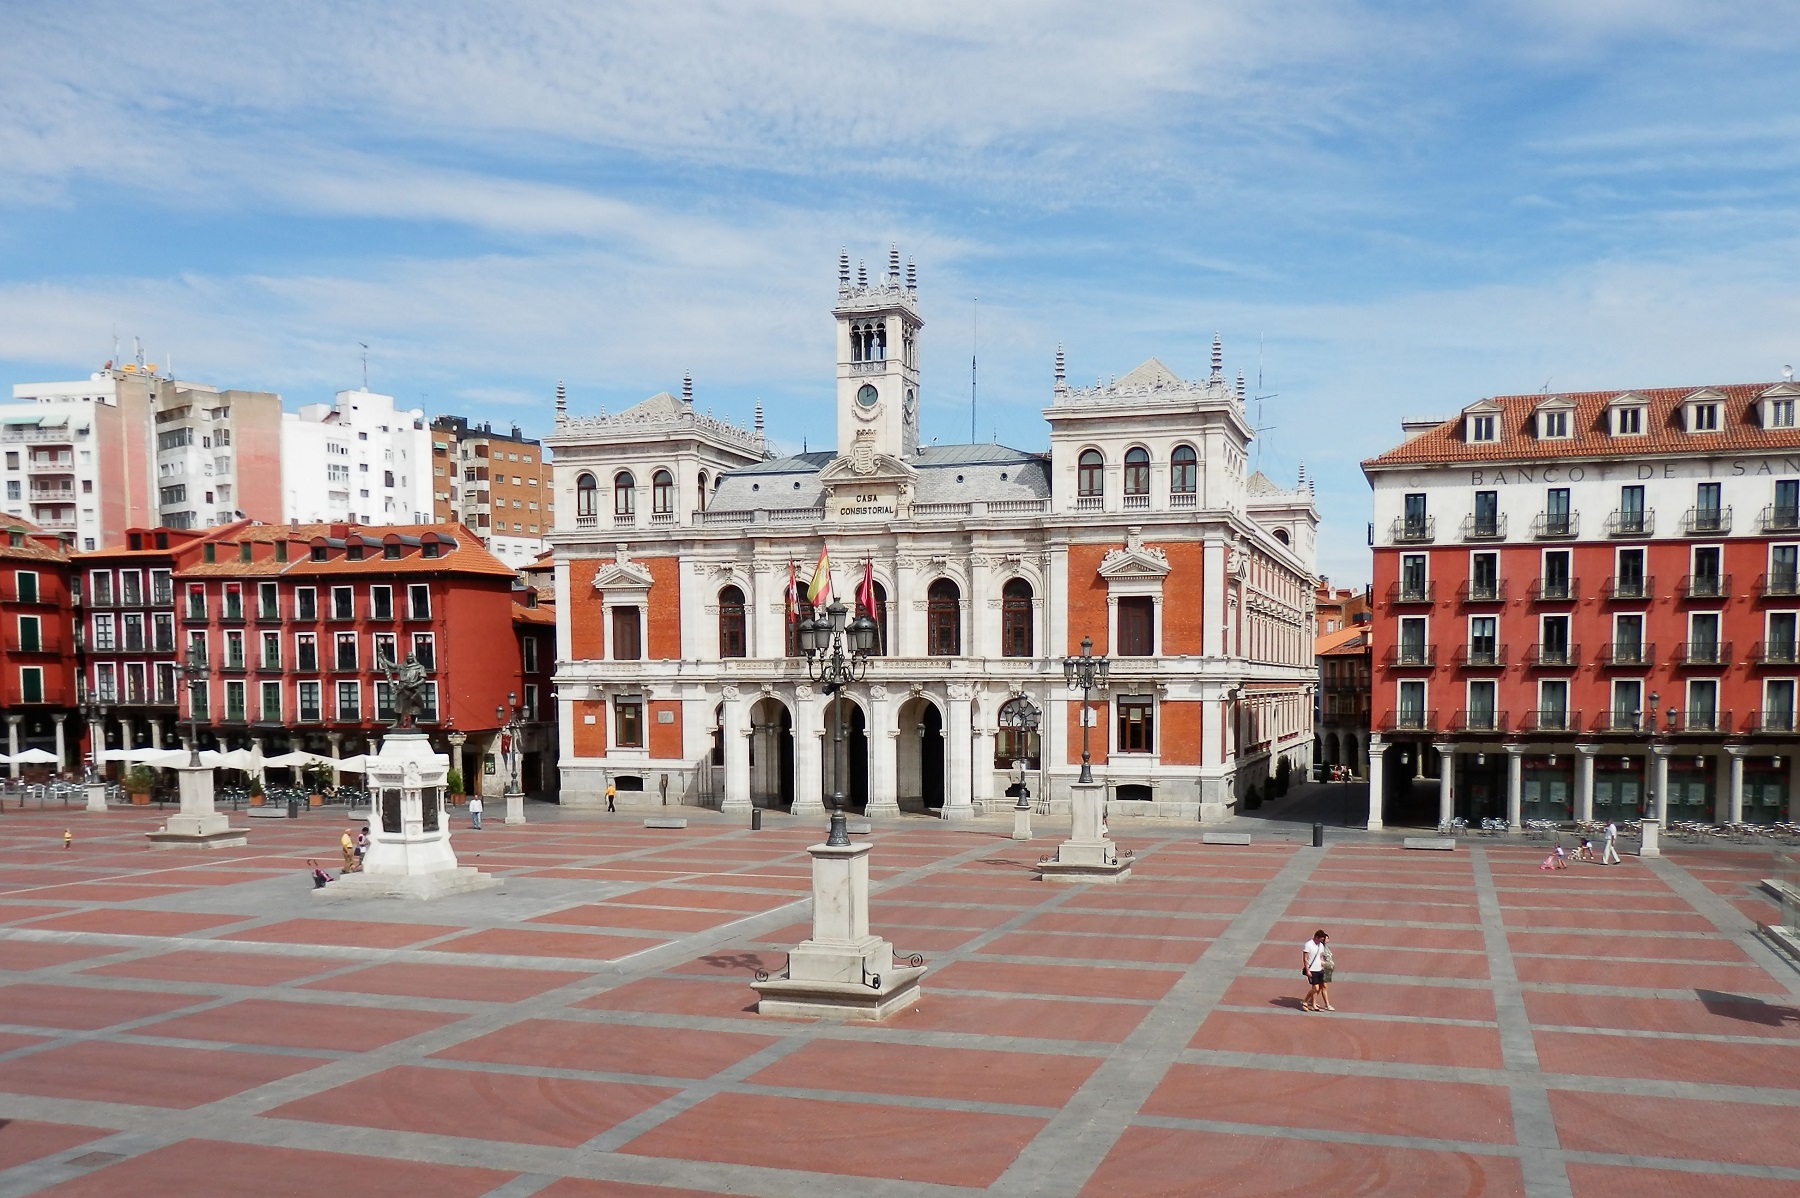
{"x": 1022, "y": 718}
{"x": 837, "y": 652}
{"x": 193, "y": 671}
{"x": 1086, "y": 674}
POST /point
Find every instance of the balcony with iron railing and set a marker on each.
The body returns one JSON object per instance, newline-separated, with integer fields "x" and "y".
{"x": 1628, "y": 522}
{"x": 1409, "y": 721}
{"x": 1770, "y": 723}
{"x": 1479, "y": 721}
{"x": 1629, "y": 653}
{"x": 1775, "y": 653}
{"x": 1481, "y": 657}
{"x": 1551, "y": 719}
{"x": 1778, "y": 518}
{"x": 1549, "y": 590}
{"x": 1703, "y": 722}
{"x": 1629, "y": 588}
{"x": 41, "y": 493}
{"x": 1554, "y": 657}
{"x": 1556, "y": 526}
{"x": 1619, "y": 721}
{"x": 1411, "y": 656}
{"x": 1699, "y": 521}
{"x": 1706, "y": 653}
{"x": 1482, "y": 592}
{"x": 59, "y": 465}
{"x": 1414, "y": 592}
{"x": 1419, "y": 530}
{"x": 1705, "y": 586}
{"x": 1778, "y": 584}
{"x": 1478, "y": 528}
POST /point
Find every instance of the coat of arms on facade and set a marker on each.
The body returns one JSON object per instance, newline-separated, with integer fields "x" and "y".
{"x": 862, "y": 454}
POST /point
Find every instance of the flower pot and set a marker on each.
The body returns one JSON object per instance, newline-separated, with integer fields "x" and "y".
{"x": 258, "y": 800}
{"x": 140, "y": 800}
{"x": 315, "y": 800}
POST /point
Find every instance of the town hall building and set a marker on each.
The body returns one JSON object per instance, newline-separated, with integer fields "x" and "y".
{"x": 679, "y": 678}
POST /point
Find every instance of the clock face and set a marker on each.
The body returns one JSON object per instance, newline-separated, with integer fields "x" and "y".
{"x": 866, "y": 395}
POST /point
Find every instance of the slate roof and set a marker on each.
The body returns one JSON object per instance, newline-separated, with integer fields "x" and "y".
{"x": 947, "y": 474}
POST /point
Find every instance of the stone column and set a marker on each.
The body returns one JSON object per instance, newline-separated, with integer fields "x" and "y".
{"x": 1659, "y": 780}
{"x": 262, "y": 750}
{"x": 97, "y": 743}
{"x": 156, "y": 733}
{"x": 981, "y": 753}
{"x": 62, "y": 748}
{"x": 337, "y": 753}
{"x": 1377, "y": 779}
{"x": 883, "y": 737}
{"x": 1721, "y": 788}
{"x": 1793, "y": 789}
{"x": 1446, "y": 782}
{"x": 809, "y": 749}
{"x": 1515, "y": 787}
{"x": 12, "y": 741}
{"x": 736, "y": 739}
{"x": 1734, "y": 810}
{"x": 457, "y": 740}
{"x": 1584, "y": 780}
{"x": 956, "y": 756}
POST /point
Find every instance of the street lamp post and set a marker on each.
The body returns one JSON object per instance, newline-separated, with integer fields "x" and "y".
{"x": 510, "y": 719}
{"x": 835, "y": 660}
{"x": 1023, "y": 719}
{"x": 1086, "y": 674}
{"x": 193, "y": 670}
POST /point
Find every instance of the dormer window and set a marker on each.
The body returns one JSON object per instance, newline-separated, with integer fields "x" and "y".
{"x": 1703, "y": 418}
{"x": 1781, "y": 413}
{"x": 1628, "y": 422}
{"x": 1481, "y": 428}
{"x": 1553, "y": 424}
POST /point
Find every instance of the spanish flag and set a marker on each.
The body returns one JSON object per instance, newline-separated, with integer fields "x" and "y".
{"x": 819, "y": 592}
{"x": 792, "y": 595}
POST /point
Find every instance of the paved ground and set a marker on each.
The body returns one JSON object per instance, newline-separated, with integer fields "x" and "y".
{"x": 187, "y": 1023}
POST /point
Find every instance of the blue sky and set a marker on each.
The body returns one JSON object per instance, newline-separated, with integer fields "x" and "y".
{"x": 1406, "y": 205}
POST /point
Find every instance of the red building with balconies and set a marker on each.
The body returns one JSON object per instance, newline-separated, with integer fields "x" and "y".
{"x": 1586, "y": 608}
{"x": 37, "y": 661}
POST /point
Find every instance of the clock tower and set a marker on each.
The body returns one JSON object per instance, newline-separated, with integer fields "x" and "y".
{"x": 878, "y": 364}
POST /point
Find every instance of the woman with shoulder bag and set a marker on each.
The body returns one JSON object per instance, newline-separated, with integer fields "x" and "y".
{"x": 1327, "y": 966}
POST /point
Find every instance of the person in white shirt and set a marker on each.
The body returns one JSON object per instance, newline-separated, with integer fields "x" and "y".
{"x": 1611, "y": 855}
{"x": 1312, "y": 965}
{"x": 475, "y": 812}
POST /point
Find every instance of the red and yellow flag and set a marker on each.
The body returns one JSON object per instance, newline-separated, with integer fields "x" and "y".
{"x": 792, "y": 596}
{"x": 865, "y": 590}
{"x": 819, "y": 592}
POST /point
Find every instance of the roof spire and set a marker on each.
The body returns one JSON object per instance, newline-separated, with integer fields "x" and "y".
{"x": 912, "y": 276}
{"x": 1061, "y": 374}
{"x": 562, "y": 402}
{"x": 1240, "y": 392}
{"x": 894, "y": 261}
{"x": 1218, "y": 358}
{"x": 759, "y": 418}
{"x": 844, "y": 268}
{"x": 687, "y": 386}
{"x": 862, "y": 273}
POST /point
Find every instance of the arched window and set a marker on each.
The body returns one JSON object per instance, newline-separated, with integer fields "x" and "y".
{"x": 731, "y": 623}
{"x": 587, "y": 493}
{"x": 1013, "y": 743}
{"x": 1281, "y": 534}
{"x": 1015, "y": 619}
{"x": 662, "y": 493}
{"x": 1137, "y": 472}
{"x": 702, "y": 506}
{"x": 1184, "y": 471}
{"x": 943, "y": 619}
{"x": 1090, "y": 474}
{"x": 624, "y": 494}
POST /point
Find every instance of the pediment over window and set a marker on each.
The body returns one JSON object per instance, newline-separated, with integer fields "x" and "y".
{"x": 1135, "y": 561}
{"x": 622, "y": 574}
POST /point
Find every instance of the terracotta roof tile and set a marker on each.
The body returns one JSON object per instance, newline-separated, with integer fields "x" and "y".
{"x": 34, "y": 549}
{"x": 533, "y": 615}
{"x": 1343, "y": 638}
{"x": 1739, "y": 430}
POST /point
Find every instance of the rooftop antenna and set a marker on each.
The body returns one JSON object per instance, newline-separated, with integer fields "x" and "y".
{"x": 1261, "y": 428}
{"x": 365, "y": 360}
{"x": 974, "y": 352}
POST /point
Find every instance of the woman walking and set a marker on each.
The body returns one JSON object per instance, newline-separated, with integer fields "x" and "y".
{"x": 1314, "y": 956}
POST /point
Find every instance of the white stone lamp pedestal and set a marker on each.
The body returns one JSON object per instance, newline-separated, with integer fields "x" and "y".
{"x": 1088, "y": 855}
{"x": 409, "y": 854}
{"x": 843, "y": 971}
{"x": 1651, "y": 844}
{"x": 197, "y": 824}
{"x": 96, "y": 797}
{"x": 515, "y": 807}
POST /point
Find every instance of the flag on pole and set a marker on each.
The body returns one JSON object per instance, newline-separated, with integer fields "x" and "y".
{"x": 792, "y": 596}
{"x": 865, "y": 590}
{"x": 818, "y": 593}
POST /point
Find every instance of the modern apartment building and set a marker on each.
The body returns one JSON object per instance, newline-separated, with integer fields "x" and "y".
{"x": 496, "y": 484}
{"x": 1588, "y": 607}
{"x": 358, "y": 460}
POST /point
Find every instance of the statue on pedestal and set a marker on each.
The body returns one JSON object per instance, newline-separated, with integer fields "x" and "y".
{"x": 407, "y": 681}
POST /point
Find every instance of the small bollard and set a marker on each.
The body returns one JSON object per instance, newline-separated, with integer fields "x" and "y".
{"x": 756, "y": 819}
{"x": 293, "y": 808}
{"x": 1318, "y": 836}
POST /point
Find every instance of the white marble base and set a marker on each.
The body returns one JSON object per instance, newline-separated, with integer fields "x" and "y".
{"x": 96, "y": 797}
{"x": 899, "y": 989}
{"x": 515, "y": 807}
{"x": 1651, "y": 843}
{"x": 197, "y": 824}
{"x": 440, "y": 884}
{"x": 1021, "y": 823}
{"x": 1089, "y": 855}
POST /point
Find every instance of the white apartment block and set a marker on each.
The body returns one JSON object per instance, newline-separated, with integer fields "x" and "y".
{"x": 360, "y": 460}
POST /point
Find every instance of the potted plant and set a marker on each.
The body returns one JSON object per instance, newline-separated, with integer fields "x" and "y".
{"x": 316, "y": 778}
{"x": 140, "y": 780}
{"x": 453, "y": 786}
{"x": 257, "y": 798}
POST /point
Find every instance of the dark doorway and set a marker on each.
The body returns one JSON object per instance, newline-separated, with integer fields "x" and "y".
{"x": 931, "y": 759}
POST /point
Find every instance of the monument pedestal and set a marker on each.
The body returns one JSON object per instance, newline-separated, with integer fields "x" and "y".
{"x": 1022, "y": 823}
{"x": 842, "y": 971}
{"x": 1088, "y": 855}
{"x": 515, "y": 807}
{"x": 197, "y": 824}
{"x": 96, "y": 797}
{"x": 409, "y": 854}
{"x": 1651, "y": 843}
